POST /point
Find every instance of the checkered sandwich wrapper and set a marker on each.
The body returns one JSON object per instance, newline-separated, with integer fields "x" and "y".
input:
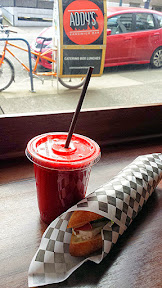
{"x": 119, "y": 200}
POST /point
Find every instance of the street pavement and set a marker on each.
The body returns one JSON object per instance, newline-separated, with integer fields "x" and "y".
{"x": 131, "y": 85}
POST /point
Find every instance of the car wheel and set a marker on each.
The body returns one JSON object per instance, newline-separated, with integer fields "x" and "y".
{"x": 156, "y": 59}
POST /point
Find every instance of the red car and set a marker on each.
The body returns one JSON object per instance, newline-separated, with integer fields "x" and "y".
{"x": 134, "y": 36}
{"x": 47, "y": 33}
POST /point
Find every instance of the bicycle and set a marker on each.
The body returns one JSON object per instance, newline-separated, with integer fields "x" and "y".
{"x": 7, "y": 71}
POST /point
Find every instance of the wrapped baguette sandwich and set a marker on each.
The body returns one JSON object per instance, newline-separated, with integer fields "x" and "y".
{"x": 119, "y": 199}
{"x": 86, "y": 232}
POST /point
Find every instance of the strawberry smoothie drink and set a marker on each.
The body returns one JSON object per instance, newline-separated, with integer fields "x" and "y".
{"x": 61, "y": 174}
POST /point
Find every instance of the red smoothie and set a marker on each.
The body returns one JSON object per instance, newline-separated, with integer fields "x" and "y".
{"x": 61, "y": 174}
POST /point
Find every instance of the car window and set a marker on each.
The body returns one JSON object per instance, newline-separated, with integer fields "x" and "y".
{"x": 159, "y": 20}
{"x": 144, "y": 21}
{"x": 120, "y": 24}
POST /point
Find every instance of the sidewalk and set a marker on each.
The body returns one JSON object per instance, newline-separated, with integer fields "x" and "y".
{"x": 109, "y": 90}
{"x": 47, "y": 97}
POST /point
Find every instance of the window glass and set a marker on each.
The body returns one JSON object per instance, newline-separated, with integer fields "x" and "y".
{"x": 144, "y": 21}
{"x": 128, "y": 80}
{"x": 159, "y": 19}
{"x": 126, "y": 68}
{"x": 120, "y": 23}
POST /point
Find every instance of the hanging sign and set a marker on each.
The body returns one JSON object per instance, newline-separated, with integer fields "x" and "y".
{"x": 83, "y": 25}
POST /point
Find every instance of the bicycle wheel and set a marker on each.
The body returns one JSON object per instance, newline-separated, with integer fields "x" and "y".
{"x": 72, "y": 83}
{"x": 7, "y": 74}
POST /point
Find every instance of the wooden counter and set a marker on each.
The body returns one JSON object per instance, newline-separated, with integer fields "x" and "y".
{"x": 136, "y": 259}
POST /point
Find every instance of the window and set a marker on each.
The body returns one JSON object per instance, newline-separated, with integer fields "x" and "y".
{"x": 123, "y": 86}
{"x": 120, "y": 23}
{"x": 144, "y": 21}
{"x": 159, "y": 20}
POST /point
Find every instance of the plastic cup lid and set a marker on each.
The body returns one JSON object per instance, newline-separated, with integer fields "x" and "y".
{"x": 47, "y": 150}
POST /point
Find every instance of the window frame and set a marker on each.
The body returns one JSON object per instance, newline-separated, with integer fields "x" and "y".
{"x": 107, "y": 126}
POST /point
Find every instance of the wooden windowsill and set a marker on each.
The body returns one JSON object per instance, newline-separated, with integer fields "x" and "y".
{"x": 133, "y": 262}
{"x": 106, "y": 126}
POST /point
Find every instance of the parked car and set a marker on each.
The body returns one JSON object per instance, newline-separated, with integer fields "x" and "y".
{"x": 1, "y": 17}
{"x": 36, "y": 46}
{"x": 134, "y": 36}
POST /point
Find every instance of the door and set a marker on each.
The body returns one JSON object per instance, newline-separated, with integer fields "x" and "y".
{"x": 119, "y": 42}
{"x": 145, "y": 38}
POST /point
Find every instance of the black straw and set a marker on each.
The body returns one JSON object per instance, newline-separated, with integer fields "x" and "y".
{"x": 75, "y": 117}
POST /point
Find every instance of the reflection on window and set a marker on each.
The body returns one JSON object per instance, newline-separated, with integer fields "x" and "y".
{"x": 159, "y": 19}
{"x": 144, "y": 21}
{"x": 120, "y": 24}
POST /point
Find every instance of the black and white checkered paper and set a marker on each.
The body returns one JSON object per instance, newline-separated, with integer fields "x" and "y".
{"x": 119, "y": 200}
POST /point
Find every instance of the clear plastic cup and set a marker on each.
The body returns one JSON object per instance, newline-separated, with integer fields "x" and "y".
{"x": 61, "y": 174}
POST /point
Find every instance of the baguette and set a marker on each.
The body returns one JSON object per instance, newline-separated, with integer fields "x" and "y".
{"x": 84, "y": 247}
{"x": 86, "y": 232}
{"x": 80, "y": 218}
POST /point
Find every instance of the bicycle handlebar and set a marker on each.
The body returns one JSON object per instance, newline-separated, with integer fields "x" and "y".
{"x": 4, "y": 26}
{"x": 12, "y": 31}
{"x": 6, "y": 31}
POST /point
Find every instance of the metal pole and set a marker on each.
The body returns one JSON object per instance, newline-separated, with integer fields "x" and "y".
{"x": 147, "y": 4}
{"x": 120, "y": 4}
{"x": 29, "y": 54}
